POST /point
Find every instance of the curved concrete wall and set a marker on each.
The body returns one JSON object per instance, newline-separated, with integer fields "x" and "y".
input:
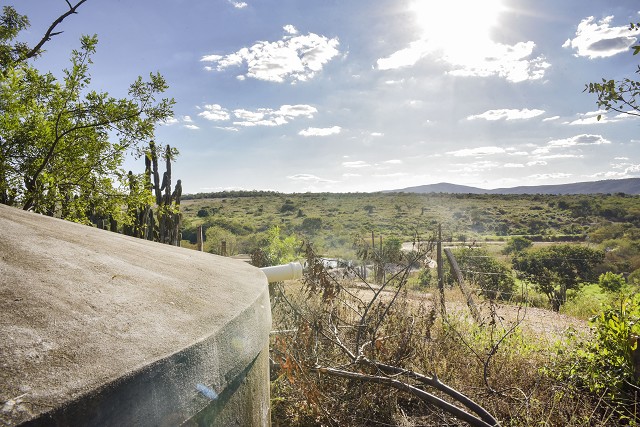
{"x": 97, "y": 328}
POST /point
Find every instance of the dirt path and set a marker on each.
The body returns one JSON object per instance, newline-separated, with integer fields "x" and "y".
{"x": 538, "y": 321}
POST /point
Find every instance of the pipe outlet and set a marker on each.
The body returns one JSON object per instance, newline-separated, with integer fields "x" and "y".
{"x": 279, "y": 273}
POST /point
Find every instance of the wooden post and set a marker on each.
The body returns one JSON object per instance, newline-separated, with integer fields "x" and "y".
{"x": 200, "y": 239}
{"x": 456, "y": 269}
{"x": 223, "y": 250}
{"x": 443, "y": 309}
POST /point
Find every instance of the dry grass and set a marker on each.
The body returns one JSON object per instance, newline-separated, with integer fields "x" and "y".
{"x": 501, "y": 371}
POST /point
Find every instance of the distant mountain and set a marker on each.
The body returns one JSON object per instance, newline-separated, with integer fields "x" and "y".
{"x": 610, "y": 186}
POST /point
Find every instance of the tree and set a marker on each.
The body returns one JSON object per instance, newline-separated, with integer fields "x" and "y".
{"x": 216, "y": 235}
{"x": 58, "y": 155}
{"x": 556, "y": 268}
{"x": 611, "y": 282}
{"x": 517, "y": 244}
{"x": 275, "y": 249}
{"x": 312, "y": 225}
{"x": 622, "y": 95}
{"x": 493, "y": 279}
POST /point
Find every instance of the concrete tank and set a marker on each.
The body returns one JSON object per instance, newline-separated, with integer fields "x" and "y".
{"x": 97, "y": 328}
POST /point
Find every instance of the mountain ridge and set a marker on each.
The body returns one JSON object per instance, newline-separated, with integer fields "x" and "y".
{"x": 629, "y": 186}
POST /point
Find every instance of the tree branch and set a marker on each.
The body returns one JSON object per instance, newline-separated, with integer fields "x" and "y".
{"x": 419, "y": 393}
{"x": 50, "y": 33}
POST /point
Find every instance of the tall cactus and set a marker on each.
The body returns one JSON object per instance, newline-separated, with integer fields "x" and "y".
{"x": 165, "y": 226}
{"x": 168, "y": 204}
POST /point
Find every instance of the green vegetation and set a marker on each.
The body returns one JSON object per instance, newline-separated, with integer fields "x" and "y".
{"x": 359, "y": 358}
{"x": 553, "y": 270}
{"x": 574, "y": 254}
{"x": 608, "y": 365}
{"x": 490, "y": 278}
{"x": 63, "y": 143}
{"x": 333, "y": 222}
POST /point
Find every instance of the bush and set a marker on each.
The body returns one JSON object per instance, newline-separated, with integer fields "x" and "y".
{"x": 604, "y": 366}
{"x": 611, "y": 282}
{"x": 492, "y": 278}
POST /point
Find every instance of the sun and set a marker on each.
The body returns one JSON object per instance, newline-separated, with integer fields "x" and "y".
{"x": 452, "y": 25}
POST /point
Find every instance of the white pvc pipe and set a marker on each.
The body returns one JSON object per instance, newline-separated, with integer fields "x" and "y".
{"x": 279, "y": 273}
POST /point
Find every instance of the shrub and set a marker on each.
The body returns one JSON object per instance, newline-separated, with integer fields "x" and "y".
{"x": 604, "y": 366}
{"x": 492, "y": 278}
{"x": 611, "y": 282}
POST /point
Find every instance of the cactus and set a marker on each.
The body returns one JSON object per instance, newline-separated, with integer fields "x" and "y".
{"x": 164, "y": 227}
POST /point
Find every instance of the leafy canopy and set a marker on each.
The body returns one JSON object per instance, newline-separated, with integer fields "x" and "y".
{"x": 618, "y": 95}
{"x": 554, "y": 269}
{"x": 62, "y": 143}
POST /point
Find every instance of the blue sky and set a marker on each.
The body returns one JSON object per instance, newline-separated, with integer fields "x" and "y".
{"x": 361, "y": 95}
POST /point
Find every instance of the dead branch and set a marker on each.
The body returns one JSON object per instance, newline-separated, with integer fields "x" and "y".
{"x": 50, "y": 31}
{"x": 408, "y": 388}
{"x": 434, "y": 382}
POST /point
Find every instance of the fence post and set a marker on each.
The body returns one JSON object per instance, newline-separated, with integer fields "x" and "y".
{"x": 443, "y": 309}
{"x": 200, "y": 239}
{"x": 456, "y": 269}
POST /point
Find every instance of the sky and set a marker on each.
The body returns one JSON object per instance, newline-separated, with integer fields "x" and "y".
{"x": 359, "y": 95}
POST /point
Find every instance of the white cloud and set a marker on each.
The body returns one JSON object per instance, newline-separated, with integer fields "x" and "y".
{"x": 561, "y": 156}
{"x": 599, "y": 40}
{"x": 537, "y": 163}
{"x": 391, "y": 175}
{"x": 294, "y": 58}
{"x": 507, "y": 114}
{"x": 477, "y": 152}
{"x": 550, "y": 175}
{"x": 356, "y": 164}
{"x": 320, "y": 131}
{"x": 406, "y": 57}
{"x": 187, "y": 122}
{"x": 393, "y": 162}
{"x": 633, "y": 169}
{"x": 592, "y": 118}
{"x": 169, "y": 121}
{"x": 310, "y": 178}
{"x": 549, "y": 119}
{"x": 475, "y": 166}
{"x": 511, "y": 62}
{"x": 513, "y": 165}
{"x": 290, "y": 29}
{"x": 587, "y": 121}
{"x": 579, "y": 140}
{"x": 259, "y": 117}
{"x": 238, "y": 4}
{"x": 214, "y": 112}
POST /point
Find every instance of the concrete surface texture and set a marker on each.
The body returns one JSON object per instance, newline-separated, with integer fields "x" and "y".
{"x": 97, "y": 328}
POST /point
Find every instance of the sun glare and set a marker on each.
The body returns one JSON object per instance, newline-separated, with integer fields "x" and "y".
{"x": 451, "y": 25}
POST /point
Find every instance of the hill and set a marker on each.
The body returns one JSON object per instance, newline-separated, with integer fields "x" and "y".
{"x": 610, "y": 186}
